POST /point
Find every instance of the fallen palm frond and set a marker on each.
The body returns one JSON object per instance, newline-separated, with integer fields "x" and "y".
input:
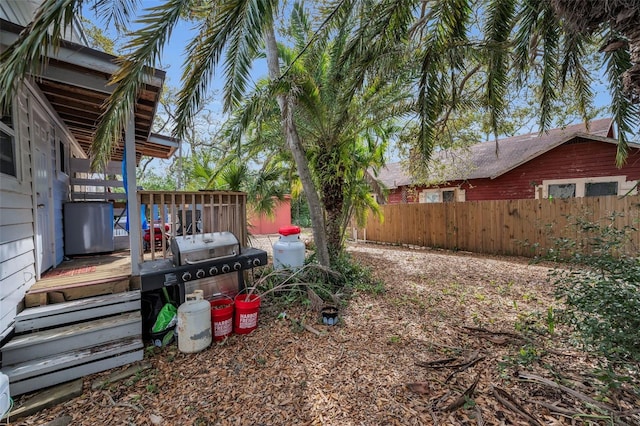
{"x": 510, "y": 403}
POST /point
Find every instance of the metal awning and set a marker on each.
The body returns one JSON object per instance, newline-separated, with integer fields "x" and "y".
{"x": 75, "y": 84}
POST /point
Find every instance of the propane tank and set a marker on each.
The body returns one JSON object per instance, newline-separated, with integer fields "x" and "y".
{"x": 194, "y": 323}
{"x": 288, "y": 251}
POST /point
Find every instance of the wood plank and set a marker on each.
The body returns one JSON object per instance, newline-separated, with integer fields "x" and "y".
{"x": 96, "y": 182}
{"x": 80, "y": 310}
{"x": 47, "y": 399}
{"x": 83, "y": 165}
{"x": 91, "y": 333}
{"x": 70, "y": 282}
{"x": 49, "y": 364}
{"x": 64, "y": 293}
{"x": 54, "y": 378}
{"x": 116, "y": 376}
{"x": 111, "y": 196}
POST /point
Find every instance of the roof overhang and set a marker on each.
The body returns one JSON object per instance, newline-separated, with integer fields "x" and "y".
{"x": 74, "y": 81}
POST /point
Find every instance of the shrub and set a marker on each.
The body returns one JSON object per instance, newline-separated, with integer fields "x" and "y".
{"x": 599, "y": 283}
{"x": 314, "y": 285}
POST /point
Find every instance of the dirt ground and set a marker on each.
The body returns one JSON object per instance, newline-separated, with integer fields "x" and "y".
{"x": 455, "y": 339}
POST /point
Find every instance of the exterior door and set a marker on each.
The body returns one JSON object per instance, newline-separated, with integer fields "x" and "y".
{"x": 44, "y": 194}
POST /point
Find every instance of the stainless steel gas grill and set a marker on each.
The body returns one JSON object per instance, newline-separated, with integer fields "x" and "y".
{"x": 212, "y": 262}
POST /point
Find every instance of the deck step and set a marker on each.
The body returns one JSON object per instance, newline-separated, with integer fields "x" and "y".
{"x": 59, "y": 314}
{"x": 40, "y": 344}
{"x": 51, "y": 370}
{"x": 73, "y": 288}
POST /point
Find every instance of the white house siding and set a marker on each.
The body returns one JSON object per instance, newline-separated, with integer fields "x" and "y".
{"x": 17, "y": 255}
{"x": 17, "y": 223}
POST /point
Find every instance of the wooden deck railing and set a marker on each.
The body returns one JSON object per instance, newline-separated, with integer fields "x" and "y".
{"x": 180, "y": 214}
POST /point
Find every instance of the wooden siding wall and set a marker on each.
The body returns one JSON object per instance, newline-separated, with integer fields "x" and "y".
{"x": 574, "y": 160}
{"x": 511, "y": 227}
{"x": 17, "y": 255}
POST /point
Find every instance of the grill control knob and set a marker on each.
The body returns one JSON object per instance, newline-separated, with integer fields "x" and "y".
{"x": 237, "y": 266}
{"x": 200, "y": 273}
{"x": 256, "y": 262}
{"x": 226, "y": 268}
{"x": 186, "y": 276}
{"x": 213, "y": 270}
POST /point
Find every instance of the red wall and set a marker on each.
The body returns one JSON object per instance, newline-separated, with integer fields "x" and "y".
{"x": 580, "y": 159}
{"x": 261, "y": 224}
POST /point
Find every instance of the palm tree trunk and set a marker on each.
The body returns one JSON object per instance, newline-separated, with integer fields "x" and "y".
{"x": 293, "y": 140}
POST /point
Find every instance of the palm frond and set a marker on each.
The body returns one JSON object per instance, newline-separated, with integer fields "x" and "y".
{"x": 144, "y": 48}
{"x": 237, "y": 27}
{"x": 625, "y": 113}
{"x": 500, "y": 15}
{"x": 573, "y": 53}
{"x": 550, "y": 37}
{"x": 117, "y": 12}
{"x": 526, "y": 40}
{"x": 27, "y": 55}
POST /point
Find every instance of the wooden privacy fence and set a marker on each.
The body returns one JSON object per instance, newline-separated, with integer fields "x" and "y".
{"x": 511, "y": 227}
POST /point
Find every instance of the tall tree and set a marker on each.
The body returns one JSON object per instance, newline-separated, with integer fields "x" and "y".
{"x": 343, "y": 131}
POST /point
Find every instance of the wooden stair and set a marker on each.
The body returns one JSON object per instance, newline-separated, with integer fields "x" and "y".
{"x": 61, "y": 342}
{"x": 61, "y": 290}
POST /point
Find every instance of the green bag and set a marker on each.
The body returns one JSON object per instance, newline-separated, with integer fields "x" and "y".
{"x": 167, "y": 317}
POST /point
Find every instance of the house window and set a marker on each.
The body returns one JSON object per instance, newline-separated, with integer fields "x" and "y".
{"x": 597, "y": 189}
{"x": 62, "y": 157}
{"x": 8, "y": 165}
{"x": 445, "y": 195}
{"x": 448, "y": 196}
{"x": 432, "y": 197}
{"x": 562, "y": 190}
{"x": 585, "y": 187}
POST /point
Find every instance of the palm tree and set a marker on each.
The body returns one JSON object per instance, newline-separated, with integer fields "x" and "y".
{"x": 344, "y": 132}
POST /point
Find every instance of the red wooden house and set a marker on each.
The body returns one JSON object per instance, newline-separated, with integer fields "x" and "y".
{"x": 565, "y": 162}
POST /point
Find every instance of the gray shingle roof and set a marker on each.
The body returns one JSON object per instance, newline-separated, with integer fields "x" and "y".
{"x": 482, "y": 161}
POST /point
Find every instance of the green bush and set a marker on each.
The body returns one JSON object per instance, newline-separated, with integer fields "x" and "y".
{"x": 599, "y": 283}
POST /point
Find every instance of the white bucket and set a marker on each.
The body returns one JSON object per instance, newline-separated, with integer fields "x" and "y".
{"x": 288, "y": 251}
{"x": 194, "y": 323}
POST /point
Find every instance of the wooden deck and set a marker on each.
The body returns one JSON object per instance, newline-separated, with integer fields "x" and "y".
{"x": 82, "y": 276}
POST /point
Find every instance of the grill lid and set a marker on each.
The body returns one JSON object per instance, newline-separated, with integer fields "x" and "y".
{"x": 199, "y": 248}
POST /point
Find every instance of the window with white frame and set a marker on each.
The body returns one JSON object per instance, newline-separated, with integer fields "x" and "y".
{"x": 8, "y": 154}
{"x": 585, "y": 187}
{"x": 596, "y": 189}
{"x": 440, "y": 195}
{"x": 562, "y": 190}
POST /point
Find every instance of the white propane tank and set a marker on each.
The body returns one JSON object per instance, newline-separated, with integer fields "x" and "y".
{"x": 288, "y": 251}
{"x": 194, "y": 323}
